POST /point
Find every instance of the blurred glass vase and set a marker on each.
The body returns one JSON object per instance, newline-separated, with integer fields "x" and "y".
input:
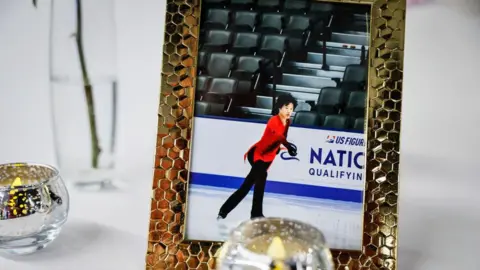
{"x": 83, "y": 79}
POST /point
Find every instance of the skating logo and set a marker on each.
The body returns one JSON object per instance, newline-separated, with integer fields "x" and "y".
{"x": 284, "y": 154}
{"x": 332, "y": 139}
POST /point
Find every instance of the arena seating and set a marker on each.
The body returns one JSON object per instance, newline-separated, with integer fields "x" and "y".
{"x": 244, "y": 21}
{"x": 336, "y": 121}
{"x": 268, "y": 5}
{"x": 295, "y": 6}
{"x": 217, "y": 19}
{"x": 241, "y": 4}
{"x": 358, "y": 124}
{"x": 247, "y": 72}
{"x": 254, "y": 50}
{"x": 245, "y": 43}
{"x": 307, "y": 118}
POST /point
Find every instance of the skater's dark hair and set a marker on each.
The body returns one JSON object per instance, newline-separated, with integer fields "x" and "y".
{"x": 282, "y": 100}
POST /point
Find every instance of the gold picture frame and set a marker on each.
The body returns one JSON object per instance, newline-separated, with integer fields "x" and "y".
{"x": 166, "y": 246}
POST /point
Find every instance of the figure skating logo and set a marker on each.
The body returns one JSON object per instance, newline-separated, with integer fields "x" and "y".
{"x": 330, "y": 139}
{"x": 284, "y": 153}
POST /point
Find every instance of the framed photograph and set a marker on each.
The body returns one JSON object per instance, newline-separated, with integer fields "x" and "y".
{"x": 278, "y": 108}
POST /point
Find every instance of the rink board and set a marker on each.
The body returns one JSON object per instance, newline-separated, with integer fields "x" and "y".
{"x": 339, "y": 221}
{"x": 329, "y": 164}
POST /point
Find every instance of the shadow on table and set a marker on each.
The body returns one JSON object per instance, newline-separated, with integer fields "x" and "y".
{"x": 410, "y": 259}
{"x": 437, "y": 234}
{"x": 76, "y": 236}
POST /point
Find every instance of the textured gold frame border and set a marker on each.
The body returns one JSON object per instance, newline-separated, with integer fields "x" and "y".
{"x": 166, "y": 246}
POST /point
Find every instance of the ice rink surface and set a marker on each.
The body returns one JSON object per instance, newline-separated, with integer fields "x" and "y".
{"x": 341, "y": 222}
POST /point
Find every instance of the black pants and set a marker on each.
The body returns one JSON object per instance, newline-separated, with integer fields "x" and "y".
{"x": 258, "y": 177}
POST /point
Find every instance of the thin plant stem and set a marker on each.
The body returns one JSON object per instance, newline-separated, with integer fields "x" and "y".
{"x": 96, "y": 150}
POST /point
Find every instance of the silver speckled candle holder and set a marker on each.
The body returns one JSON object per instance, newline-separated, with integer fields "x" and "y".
{"x": 250, "y": 247}
{"x": 34, "y": 205}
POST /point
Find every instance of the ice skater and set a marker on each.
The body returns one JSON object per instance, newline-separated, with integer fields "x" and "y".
{"x": 261, "y": 155}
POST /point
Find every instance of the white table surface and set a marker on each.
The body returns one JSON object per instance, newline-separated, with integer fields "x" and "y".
{"x": 439, "y": 205}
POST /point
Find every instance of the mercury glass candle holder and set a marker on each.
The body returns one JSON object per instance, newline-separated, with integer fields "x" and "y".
{"x": 34, "y": 205}
{"x": 275, "y": 243}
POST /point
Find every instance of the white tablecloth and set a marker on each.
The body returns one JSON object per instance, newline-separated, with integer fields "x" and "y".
{"x": 439, "y": 206}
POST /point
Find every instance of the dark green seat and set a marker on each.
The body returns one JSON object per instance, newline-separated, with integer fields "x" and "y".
{"x": 354, "y": 78}
{"x": 305, "y": 118}
{"x": 244, "y": 21}
{"x": 358, "y": 124}
{"x": 217, "y": 19}
{"x": 242, "y": 4}
{"x": 295, "y": 6}
{"x": 329, "y": 100}
{"x": 356, "y": 104}
{"x": 270, "y": 23}
{"x": 219, "y": 65}
{"x": 207, "y": 108}
{"x": 336, "y": 121}
{"x": 217, "y": 40}
{"x": 245, "y": 43}
{"x": 268, "y": 5}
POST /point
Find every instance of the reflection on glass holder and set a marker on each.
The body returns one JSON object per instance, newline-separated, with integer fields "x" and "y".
{"x": 34, "y": 204}
{"x": 275, "y": 243}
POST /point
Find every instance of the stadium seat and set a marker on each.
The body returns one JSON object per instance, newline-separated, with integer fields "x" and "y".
{"x": 220, "y": 91}
{"x": 242, "y": 4}
{"x": 264, "y": 102}
{"x": 273, "y": 47}
{"x": 358, "y": 124}
{"x": 223, "y": 86}
{"x": 268, "y": 5}
{"x": 202, "y": 62}
{"x": 321, "y": 15}
{"x": 354, "y": 78}
{"x": 330, "y": 100}
{"x": 353, "y": 19}
{"x": 245, "y": 43}
{"x": 215, "y": 3}
{"x": 355, "y": 73}
{"x": 244, "y": 21}
{"x": 217, "y": 40}
{"x": 336, "y": 121}
{"x": 356, "y": 104}
{"x": 217, "y": 19}
{"x": 247, "y": 72}
{"x": 318, "y": 32}
{"x": 295, "y": 6}
{"x": 207, "y": 108}
{"x": 320, "y": 11}
{"x": 303, "y": 106}
{"x": 306, "y": 118}
{"x": 297, "y": 28}
{"x": 219, "y": 65}
{"x": 203, "y": 82}
{"x": 270, "y": 23}
{"x": 201, "y": 108}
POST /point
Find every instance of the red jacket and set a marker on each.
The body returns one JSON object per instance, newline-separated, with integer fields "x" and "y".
{"x": 274, "y": 135}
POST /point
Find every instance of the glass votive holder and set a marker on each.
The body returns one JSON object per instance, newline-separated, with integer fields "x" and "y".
{"x": 253, "y": 245}
{"x": 34, "y": 204}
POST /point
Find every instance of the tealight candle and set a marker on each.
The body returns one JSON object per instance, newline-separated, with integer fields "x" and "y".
{"x": 276, "y": 250}
{"x": 275, "y": 244}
